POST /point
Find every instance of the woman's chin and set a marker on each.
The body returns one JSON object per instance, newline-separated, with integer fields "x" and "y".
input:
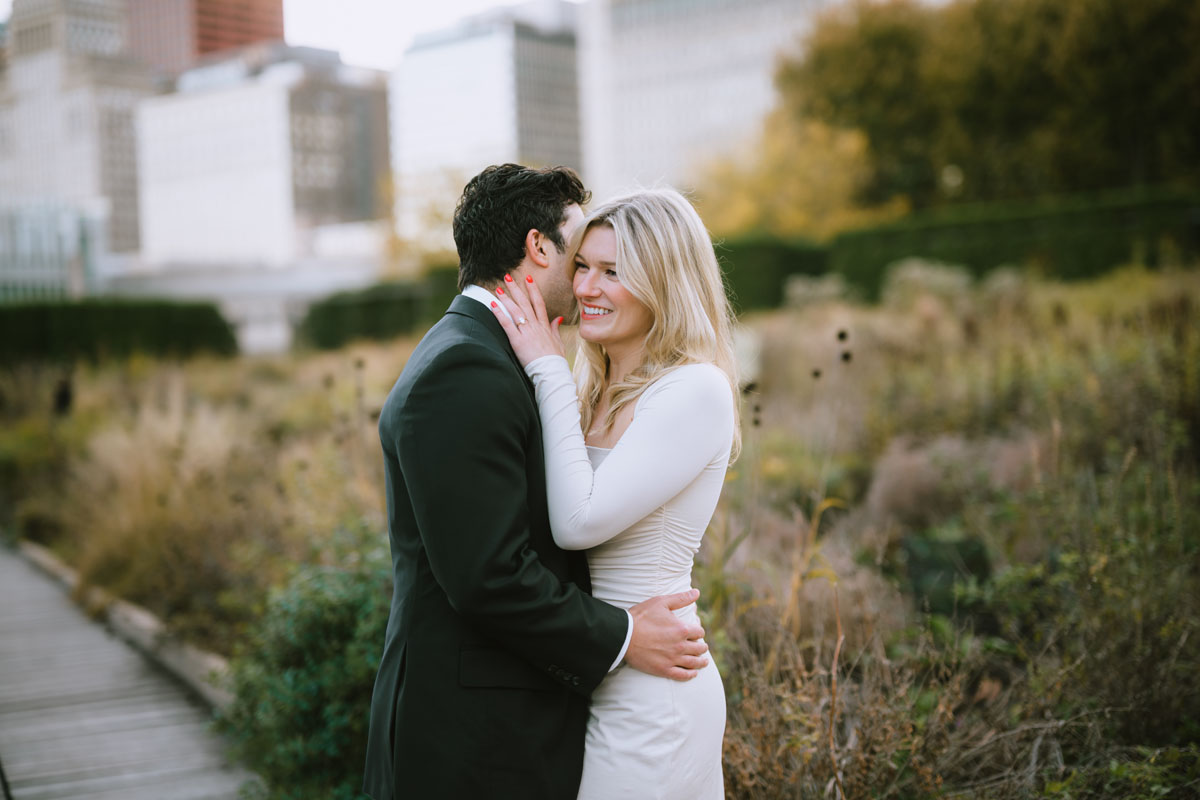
{"x": 587, "y": 331}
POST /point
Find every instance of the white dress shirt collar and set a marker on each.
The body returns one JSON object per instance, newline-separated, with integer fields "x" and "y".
{"x": 477, "y": 292}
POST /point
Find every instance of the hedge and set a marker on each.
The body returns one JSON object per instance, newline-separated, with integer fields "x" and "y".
{"x": 99, "y": 328}
{"x": 1068, "y": 237}
{"x": 441, "y": 282}
{"x": 303, "y": 677}
{"x": 756, "y": 267}
{"x": 381, "y": 311}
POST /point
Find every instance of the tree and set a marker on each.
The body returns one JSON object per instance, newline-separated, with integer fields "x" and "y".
{"x": 1128, "y": 75}
{"x": 993, "y": 99}
{"x": 863, "y": 69}
{"x": 802, "y": 178}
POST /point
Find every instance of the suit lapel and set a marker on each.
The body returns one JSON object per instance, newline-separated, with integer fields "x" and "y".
{"x": 469, "y": 307}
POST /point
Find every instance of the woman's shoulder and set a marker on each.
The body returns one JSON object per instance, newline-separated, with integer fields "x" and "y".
{"x": 706, "y": 384}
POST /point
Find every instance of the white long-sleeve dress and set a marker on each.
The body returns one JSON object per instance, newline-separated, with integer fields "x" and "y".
{"x": 640, "y": 510}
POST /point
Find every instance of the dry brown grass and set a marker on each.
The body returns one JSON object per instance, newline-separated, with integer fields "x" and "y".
{"x": 1057, "y": 426}
{"x": 193, "y": 488}
{"x": 981, "y": 412}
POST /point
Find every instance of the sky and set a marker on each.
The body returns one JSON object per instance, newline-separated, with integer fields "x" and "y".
{"x": 368, "y": 33}
{"x": 371, "y": 33}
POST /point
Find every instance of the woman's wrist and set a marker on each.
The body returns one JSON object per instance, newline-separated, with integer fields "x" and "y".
{"x": 546, "y": 362}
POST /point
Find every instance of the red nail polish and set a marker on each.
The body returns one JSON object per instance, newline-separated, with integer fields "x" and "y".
{"x": 529, "y": 279}
{"x": 559, "y": 320}
{"x": 499, "y": 290}
{"x": 493, "y": 304}
{"x": 508, "y": 278}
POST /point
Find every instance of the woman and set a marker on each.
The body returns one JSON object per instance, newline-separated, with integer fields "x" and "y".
{"x": 636, "y": 450}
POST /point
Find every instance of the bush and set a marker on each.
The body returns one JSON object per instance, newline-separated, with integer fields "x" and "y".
{"x": 382, "y": 311}
{"x": 757, "y": 268}
{"x": 104, "y": 328}
{"x": 1114, "y": 613}
{"x": 304, "y": 678}
{"x": 1147, "y": 774}
{"x": 34, "y": 455}
{"x": 1069, "y": 237}
{"x": 441, "y": 281}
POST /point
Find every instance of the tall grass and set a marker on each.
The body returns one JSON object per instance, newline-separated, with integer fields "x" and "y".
{"x": 194, "y": 487}
{"x": 1052, "y": 430}
{"x": 958, "y": 556}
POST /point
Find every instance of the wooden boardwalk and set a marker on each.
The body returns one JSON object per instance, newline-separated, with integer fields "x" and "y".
{"x": 85, "y": 716}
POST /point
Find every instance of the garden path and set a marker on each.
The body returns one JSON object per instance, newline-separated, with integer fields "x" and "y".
{"x": 85, "y": 716}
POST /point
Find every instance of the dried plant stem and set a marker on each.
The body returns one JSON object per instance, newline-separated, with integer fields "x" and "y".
{"x": 833, "y": 676}
{"x": 802, "y": 560}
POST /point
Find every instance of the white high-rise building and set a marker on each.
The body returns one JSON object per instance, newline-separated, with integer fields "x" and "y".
{"x": 67, "y": 99}
{"x": 498, "y": 87}
{"x": 269, "y": 156}
{"x": 667, "y": 85}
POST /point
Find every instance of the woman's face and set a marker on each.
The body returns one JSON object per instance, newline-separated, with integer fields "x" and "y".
{"x": 609, "y": 314}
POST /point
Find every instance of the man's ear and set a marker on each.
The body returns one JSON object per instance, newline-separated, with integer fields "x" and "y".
{"x": 535, "y": 247}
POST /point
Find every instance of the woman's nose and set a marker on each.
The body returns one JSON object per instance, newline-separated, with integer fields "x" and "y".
{"x": 585, "y": 285}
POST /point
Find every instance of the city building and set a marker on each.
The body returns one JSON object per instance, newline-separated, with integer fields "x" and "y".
{"x": 173, "y": 35}
{"x": 497, "y": 87}
{"x": 67, "y": 100}
{"x": 49, "y": 251}
{"x": 3, "y": 47}
{"x": 269, "y": 156}
{"x": 667, "y": 85}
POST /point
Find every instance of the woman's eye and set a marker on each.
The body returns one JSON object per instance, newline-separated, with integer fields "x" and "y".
{"x": 580, "y": 266}
{"x": 612, "y": 273}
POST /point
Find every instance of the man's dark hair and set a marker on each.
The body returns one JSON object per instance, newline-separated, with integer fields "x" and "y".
{"x": 499, "y": 206}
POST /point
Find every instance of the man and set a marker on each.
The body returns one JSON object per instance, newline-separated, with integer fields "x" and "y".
{"x": 493, "y": 644}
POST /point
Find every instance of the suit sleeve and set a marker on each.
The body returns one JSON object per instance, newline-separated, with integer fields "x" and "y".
{"x": 462, "y": 444}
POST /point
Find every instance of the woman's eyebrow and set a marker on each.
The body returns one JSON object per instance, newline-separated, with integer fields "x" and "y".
{"x": 600, "y": 263}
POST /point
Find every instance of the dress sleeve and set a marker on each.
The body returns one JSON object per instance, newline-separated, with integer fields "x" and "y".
{"x": 682, "y": 422}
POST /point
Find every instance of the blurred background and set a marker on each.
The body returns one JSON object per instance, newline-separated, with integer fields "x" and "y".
{"x": 264, "y": 154}
{"x": 960, "y": 554}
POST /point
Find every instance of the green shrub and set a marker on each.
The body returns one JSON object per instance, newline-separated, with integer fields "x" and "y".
{"x": 106, "y": 328}
{"x": 35, "y": 455}
{"x": 934, "y": 562}
{"x": 303, "y": 680}
{"x": 26, "y": 448}
{"x": 1069, "y": 237}
{"x": 1171, "y": 773}
{"x": 757, "y": 267}
{"x": 441, "y": 281}
{"x": 38, "y": 435}
{"x": 382, "y": 311}
{"x": 1110, "y": 621}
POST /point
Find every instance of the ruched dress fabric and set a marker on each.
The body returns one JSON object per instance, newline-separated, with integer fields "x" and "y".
{"x": 640, "y": 510}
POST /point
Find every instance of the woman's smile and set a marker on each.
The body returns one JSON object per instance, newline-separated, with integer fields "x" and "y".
{"x": 609, "y": 314}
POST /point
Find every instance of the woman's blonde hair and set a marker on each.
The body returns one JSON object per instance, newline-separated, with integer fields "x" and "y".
{"x": 665, "y": 259}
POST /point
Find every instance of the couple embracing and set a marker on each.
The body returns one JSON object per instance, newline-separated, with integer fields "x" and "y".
{"x": 543, "y": 642}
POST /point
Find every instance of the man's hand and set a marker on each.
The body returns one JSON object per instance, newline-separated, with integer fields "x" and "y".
{"x": 662, "y": 643}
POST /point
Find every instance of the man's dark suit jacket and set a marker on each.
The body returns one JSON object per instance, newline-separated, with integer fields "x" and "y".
{"x": 493, "y": 644}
